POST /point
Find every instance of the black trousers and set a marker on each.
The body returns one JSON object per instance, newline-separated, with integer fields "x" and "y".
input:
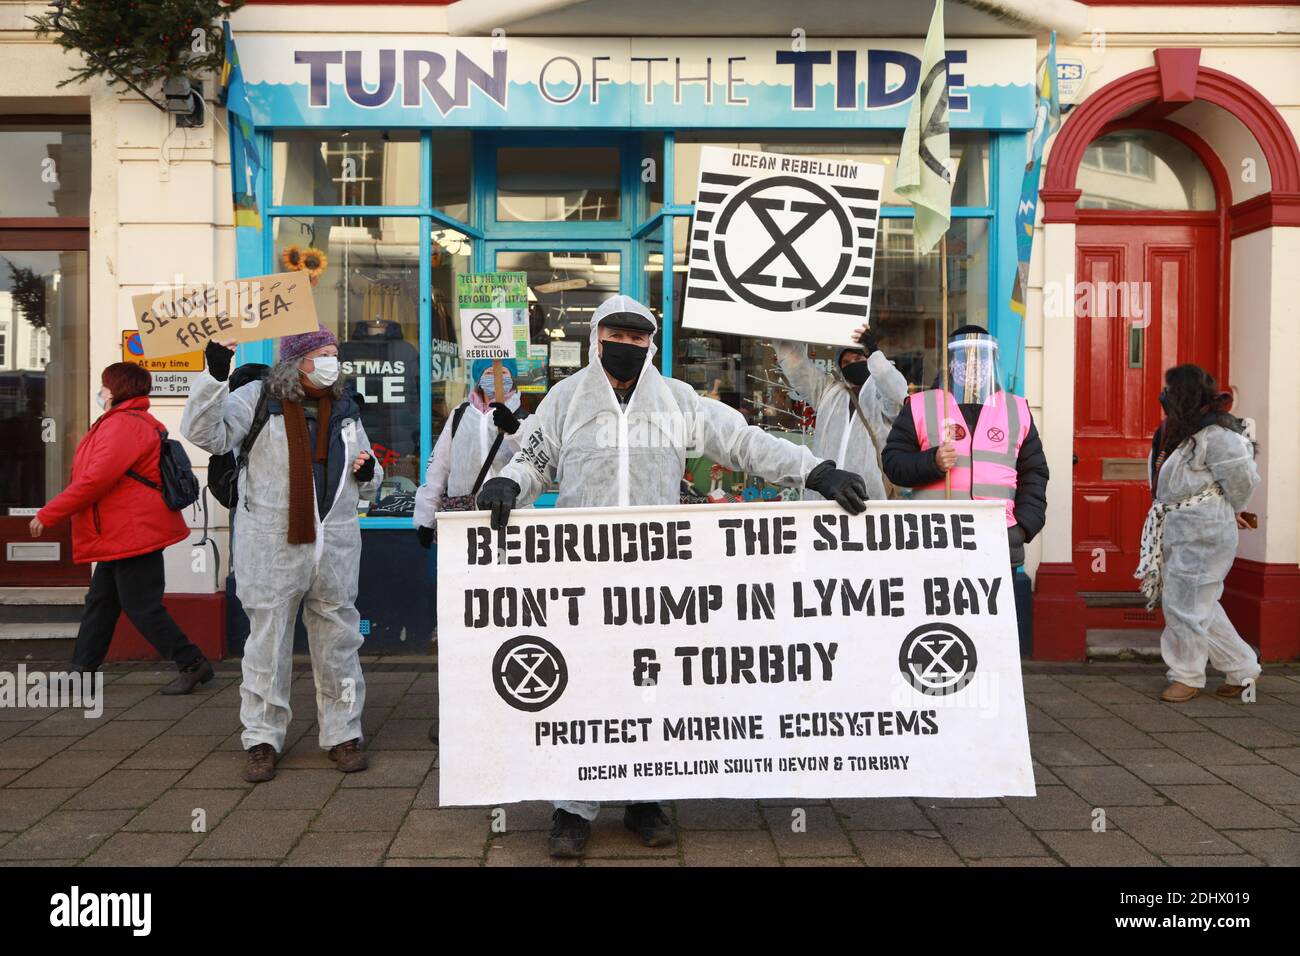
{"x": 134, "y": 586}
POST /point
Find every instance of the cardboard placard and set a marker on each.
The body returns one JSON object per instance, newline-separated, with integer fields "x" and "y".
{"x": 184, "y": 318}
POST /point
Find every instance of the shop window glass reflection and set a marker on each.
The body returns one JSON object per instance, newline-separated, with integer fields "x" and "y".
{"x": 548, "y": 184}
{"x": 346, "y": 168}
{"x": 47, "y": 171}
{"x": 1143, "y": 169}
{"x": 367, "y": 291}
{"x": 449, "y": 378}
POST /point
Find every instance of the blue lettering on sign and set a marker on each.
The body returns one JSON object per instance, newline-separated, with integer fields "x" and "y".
{"x": 563, "y": 78}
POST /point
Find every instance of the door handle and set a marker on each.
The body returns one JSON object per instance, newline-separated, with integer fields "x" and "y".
{"x": 1076, "y": 459}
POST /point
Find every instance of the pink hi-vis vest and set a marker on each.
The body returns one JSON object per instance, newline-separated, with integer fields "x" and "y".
{"x": 986, "y": 459}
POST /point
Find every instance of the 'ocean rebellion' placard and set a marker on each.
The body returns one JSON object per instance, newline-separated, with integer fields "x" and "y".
{"x": 790, "y": 650}
{"x": 782, "y": 246}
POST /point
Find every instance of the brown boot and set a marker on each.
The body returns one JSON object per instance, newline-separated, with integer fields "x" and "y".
{"x": 349, "y": 756}
{"x": 1178, "y": 693}
{"x": 261, "y": 763}
{"x": 1230, "y": 690}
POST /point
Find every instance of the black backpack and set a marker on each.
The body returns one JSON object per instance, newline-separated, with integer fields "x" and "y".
{"x": 180, "y": 488}
{"x": 223, "y": 470}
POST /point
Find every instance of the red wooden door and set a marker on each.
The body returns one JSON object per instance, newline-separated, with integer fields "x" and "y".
{"x": 1147, "y": 299}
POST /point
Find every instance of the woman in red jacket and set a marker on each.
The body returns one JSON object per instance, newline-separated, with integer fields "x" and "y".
{"x": 123, "y": 524}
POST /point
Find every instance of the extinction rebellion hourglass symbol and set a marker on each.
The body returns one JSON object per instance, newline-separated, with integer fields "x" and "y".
{"x": 529, "y": 673}
{"x": 937, "y": 659}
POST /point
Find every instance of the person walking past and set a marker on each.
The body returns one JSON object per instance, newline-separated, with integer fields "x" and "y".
{"x": 120, "y": 520}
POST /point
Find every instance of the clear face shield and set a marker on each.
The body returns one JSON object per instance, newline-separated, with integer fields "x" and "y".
{"x": 973, "y": 369}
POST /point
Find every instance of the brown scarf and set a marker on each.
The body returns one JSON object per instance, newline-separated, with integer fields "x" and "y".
{"x": 302, "y": 500}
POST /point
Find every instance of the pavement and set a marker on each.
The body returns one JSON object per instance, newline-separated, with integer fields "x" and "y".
{"x": 1123, "y": 780}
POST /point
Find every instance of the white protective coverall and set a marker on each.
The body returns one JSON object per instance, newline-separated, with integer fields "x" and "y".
{"x": 457, "y": 459}
{"x": 605, "y": 455}
{"x": 840, "y": 435}
{"x": 1200, "y": 543}
{"x": 272, "y": 576}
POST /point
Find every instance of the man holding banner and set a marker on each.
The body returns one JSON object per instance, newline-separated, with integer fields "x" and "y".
{"x": 618, "y": 433}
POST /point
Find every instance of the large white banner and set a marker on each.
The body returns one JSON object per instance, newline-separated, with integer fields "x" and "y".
{"x": 781, "y": 650}
{"x": 782, "y": 246}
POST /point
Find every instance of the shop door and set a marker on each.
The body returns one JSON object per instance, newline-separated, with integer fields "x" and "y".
{"x": 44, "y": 399}
{"x": 1148, "y": 299}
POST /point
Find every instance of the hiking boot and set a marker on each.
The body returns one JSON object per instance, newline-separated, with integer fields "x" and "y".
{"x": 1178, "y": 693}
{"x": 569, "y": 834}
{"x": 261, "y": 763}
{"x": 1230, "y": 690}
{"x": 349, "y": 756}
{"x": 200, "y": 672}
{"x": 647, "y": 820}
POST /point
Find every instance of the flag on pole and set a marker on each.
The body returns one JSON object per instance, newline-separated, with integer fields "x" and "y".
{"x": 245, "y": 159}
{"x": 924, "y": 177}
{"x": 1048, "y": 118}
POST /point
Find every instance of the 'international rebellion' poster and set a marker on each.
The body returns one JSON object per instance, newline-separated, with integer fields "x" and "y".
{"x": 665, "y": 653}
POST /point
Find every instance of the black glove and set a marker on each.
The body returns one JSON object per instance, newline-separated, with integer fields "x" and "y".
{"x": 868, "y": 342}
{"x": 219, "y": 358}
{"x": 426, "y": 537}
{"x": 845, "y": 488}
{"x": 498, "y": 495}
{"x": 366, "y": 471}
{"x": 504, "y": 419}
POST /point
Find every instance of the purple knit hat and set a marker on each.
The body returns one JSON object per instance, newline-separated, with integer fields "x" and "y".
{"x": 296, "y": 346}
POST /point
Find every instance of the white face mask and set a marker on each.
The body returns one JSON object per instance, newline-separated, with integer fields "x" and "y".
{"x": 325, "y": 371}
{"x": 103, "y": 402}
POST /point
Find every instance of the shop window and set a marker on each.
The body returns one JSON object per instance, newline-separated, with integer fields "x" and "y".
{"x": 552, "y": 184}
{"x": 1143, "y": 169}
{"x": 368, "y": 293}
{"x": 47, "y": 171}
{"x": 450, "y": 256}
{"x": 969, "y": 150}
{"x": 452, "y": 161}
{"x": 346, "y": 168}
{"x": 568, "y": 286}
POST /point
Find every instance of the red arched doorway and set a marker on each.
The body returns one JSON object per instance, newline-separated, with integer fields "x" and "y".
{"x": 1149, "y": 97}
{"x": 1151, "y": 271}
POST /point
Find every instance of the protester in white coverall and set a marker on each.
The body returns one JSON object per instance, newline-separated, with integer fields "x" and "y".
{"x": 879, "y": 388}
{"x": 1202, "y": 475}
{"x": 617, "y": 433}
{"x": 296, "y": 536}
{"x": 481, "y": 423}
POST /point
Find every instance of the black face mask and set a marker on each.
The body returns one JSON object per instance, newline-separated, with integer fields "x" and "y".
{"x": 856, "y": 373}
{"x": 622, "y": 360}
{"x": 1164, "y": 399}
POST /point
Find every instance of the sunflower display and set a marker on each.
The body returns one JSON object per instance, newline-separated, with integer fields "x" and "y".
{"x": 314, "y": 263}
{"x": 291, "y": 259}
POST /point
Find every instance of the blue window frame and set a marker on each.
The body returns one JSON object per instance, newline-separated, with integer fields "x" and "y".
{"x": 638, "y": 231}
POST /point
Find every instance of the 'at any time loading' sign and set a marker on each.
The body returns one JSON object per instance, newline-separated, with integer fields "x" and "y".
{"x": 782, "y": 246}
{"x": 186, "y": 318}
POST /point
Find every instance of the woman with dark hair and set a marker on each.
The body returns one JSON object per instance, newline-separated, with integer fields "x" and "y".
{"x": 120, "y": 521}
{"x": 1202, "y": 475}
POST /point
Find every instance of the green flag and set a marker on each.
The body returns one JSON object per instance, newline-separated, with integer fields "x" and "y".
{"x": 923, "y": 176}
